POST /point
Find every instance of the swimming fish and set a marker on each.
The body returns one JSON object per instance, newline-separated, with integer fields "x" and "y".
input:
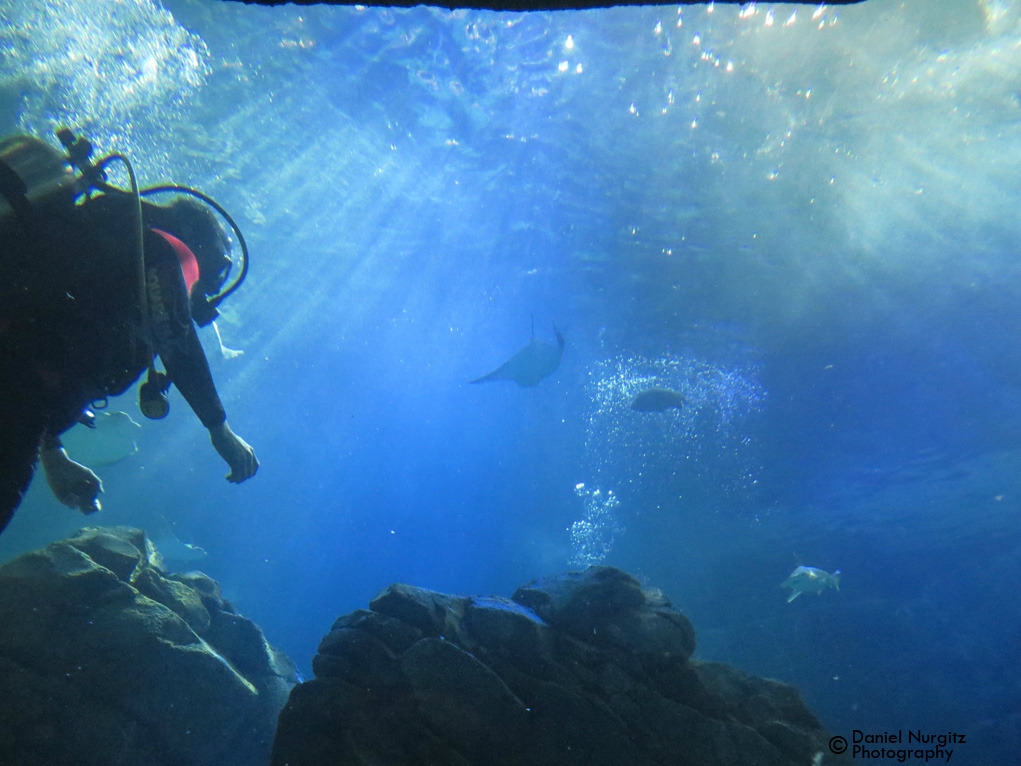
{"x": 810, "y": 580}
{"x": 657, "y": 400}
{"x": 531, "y": 364}
{"x": 110, "y": 439}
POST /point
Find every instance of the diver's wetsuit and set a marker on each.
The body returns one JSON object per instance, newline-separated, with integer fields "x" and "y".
{"x": 71, "y": 333}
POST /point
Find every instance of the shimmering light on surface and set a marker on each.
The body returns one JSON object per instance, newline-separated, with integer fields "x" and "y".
{"x": 92, "y": 78}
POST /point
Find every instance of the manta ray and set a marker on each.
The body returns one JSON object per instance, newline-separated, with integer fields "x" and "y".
{"x": 531, "y": 364}
{"x": 108, "y": 439}
{"x": 172, "y": 551}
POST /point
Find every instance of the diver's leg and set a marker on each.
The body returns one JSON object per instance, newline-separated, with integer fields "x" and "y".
{"x": 17, "y": 464}
{"x": 21, "y": 427}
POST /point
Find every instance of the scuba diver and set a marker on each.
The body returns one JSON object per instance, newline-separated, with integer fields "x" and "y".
{"x": 96, "y": 282}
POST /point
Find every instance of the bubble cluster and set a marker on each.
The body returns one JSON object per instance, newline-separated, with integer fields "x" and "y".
{"x": 705, "y": 448}
{"x": 593, "y": 535}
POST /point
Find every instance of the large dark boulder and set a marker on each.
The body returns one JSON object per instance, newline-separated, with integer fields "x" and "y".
{"x": 585, "y": 669}
{"x": 105, "y": 659}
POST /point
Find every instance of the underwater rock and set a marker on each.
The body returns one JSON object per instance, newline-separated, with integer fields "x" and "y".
{"x": 435, "y": 614}
{"x": 607, "y": 607}
{"x": 112, "y": 661}
{"x": 583, "y": 668}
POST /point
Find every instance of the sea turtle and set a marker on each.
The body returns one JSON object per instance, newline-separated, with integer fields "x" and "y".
{"x": 810, "y": 580}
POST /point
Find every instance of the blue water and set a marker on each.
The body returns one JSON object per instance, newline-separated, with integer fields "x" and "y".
{"x": 805, "y": 221}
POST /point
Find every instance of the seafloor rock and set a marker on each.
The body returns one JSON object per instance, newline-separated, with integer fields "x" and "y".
{"x": 582, "y": 669}
{"x": 107, "y": 660}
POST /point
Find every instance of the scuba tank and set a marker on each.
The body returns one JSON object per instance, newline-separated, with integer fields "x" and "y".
{"x": 35, "y": 178}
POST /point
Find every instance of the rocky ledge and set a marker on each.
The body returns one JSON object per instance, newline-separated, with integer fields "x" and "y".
{"x": 107, "y": 660}
{"x": 584, "y": 668}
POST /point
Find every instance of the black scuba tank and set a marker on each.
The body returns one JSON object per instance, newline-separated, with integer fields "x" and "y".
{"x": 35, "y": 179}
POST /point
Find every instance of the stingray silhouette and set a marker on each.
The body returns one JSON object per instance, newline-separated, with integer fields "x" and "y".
{"x": 531, "y": 364}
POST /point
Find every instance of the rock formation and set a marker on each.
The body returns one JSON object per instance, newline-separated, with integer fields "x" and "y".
{"x": 584, "y": 668}
{"x": 106, "y": 660}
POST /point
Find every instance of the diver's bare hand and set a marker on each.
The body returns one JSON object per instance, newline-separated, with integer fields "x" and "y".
{"x": 236, "y": 452}
{"x": 73, "y": 484}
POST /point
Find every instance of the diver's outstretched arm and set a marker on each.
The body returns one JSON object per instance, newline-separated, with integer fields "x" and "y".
{"x": 235, "y": 451}
{"x": 73, "y": 484}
